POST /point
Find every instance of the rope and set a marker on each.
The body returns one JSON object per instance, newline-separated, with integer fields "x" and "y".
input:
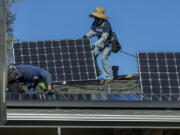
{"x": 128, "y": 54}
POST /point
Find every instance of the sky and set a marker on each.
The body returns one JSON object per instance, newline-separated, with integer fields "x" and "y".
{"x": 140, "y": 25}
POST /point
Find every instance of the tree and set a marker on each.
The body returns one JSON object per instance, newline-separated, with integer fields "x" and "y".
{"x": 10, "y": 18}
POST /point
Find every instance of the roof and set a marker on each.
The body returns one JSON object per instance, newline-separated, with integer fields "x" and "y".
{"x": 97, "y": 116}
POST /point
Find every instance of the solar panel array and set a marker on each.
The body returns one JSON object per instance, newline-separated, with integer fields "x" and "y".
{"x": 159, "y": 75}
{"x": 66, "y": 60}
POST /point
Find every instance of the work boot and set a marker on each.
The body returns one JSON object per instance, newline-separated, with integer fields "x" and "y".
{"x": 108, "y": 81}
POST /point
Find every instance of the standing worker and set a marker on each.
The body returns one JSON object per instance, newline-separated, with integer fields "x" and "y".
{"x": 103, "y": 46}
{"x": 30, "y": 75}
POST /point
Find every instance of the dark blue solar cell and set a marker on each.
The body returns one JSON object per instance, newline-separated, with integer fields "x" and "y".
{"x": 160, "y": 56}
{"x": 175, "y": 90}
{"x": 18, "y": 59}
{"x": 79, "y": 49}
{"x": 155, "y": 89}
{"x": 57, "y": 57}
{"x": 144, "y": 68}
{"x": 88, "y": 55}
{"x": 169, "y": 55}
{"x": 143, "y": 62}
{"x": 24, "y": 45}
{"x": 177, "y": 55}
{"x": 154, "y": 76}
{"x": 76, "y": 77}
{"x": 86, "y": 41}
{"x": 151, "y": 55}
{"x": 43, "y": 64}
{"x": 164, "y": 82}
{"x": 155, "y": 83}
{"x": 71, "y": 42}
{"x": 56, "y": 50}
{"x": 51, "y": 70}
{"x": 152, "y": 62}
{"x": 17, "y": 52}
{"x": 73, "y": 56}
{"x": 83, "y": 69}
{"x": 65, "y": 56}
{"x": 82, "y": 62}
{"x": 67, "y": 70}
{"x": 153, "y": 69}
{"x": 63, "y": 42}
{"x": 50, "y": 64}
{"x": 162, "y": 69}
{"x": 78, "y": 42}
{"x": 90, "y": 69}
{"x": 40, "y": 44}
{"x": 26, "y": 58}
{"x": 80, "y": 55}
{"x": 55, "y": 44}
{"x": 72, "y": 49}
{"x": 174, "y": 83}
{"x": 66, "y": 63}
{"x": 50, "y": 58}
{"x": 84, "y": 77}
{"x": 41, "y": 51}
{"x": 173, "y": 76}
{"x": 34, "y": 58}
{"x": 68, "y": 77}
{"x": 32, "y": 45}
{"x": 58, "y": 63}
{"x": 16, "y": 46}
{"x": 142, "y": 55}
{"x": 87, "y": 48}
{"x": 170, "y": 62}
{"x": 75, "y": 69}
{"x": 74, "y": 63}
{"x": 33, "y": 52}
{"x": 171, "y": 69}
{"x": 161, "y": 62}
{"x": 42, "y": 58}
{"x": 89, "y": 62}
{"x": 163, "y": 76}
{"x": 64, "y": 49}
{"x": 25, "y": 51}
{"x": 146, "y": 90}
{"x": 60, "y": 78}
{"x": 146, "y": 83}
{"x": 48, "y": 44}
{"x": 60, "y": 70}
{"x": 91, "y": 76}
{"x": 145, "y": 76}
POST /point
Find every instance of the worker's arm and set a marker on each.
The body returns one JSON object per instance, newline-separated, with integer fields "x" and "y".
{"x": 102, "y": 40}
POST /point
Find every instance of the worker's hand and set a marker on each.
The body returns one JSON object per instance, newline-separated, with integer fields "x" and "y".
{"x": 84, "y": 36}
{"x": 92, "y": 47}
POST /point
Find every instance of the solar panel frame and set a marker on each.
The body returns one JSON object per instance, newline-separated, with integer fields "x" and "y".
{"x": 56, "y": 57}
{"x": 167, "y": 88}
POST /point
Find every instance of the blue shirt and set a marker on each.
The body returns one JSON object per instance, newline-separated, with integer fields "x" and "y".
{"x": 28, "y": 73}
{"x": 104, "y": 27}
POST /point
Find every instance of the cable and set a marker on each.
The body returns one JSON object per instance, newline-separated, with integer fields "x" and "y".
{"x": 128, "y": 54}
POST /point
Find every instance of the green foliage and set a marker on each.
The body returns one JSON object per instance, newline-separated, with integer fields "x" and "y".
{"x": 10, "y": 18}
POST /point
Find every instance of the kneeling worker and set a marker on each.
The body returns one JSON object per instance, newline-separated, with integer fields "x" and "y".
{"x": 30, "y": 75}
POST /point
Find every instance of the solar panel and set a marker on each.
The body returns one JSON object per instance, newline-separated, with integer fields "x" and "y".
{"x": 159, "y": 75}
{"x": 66, "y": 60}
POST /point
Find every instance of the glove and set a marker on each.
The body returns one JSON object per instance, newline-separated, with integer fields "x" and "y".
{"x": 42, "y": 85}
{"x": 84, "y": 36}
{"x": 92, "y": 47}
